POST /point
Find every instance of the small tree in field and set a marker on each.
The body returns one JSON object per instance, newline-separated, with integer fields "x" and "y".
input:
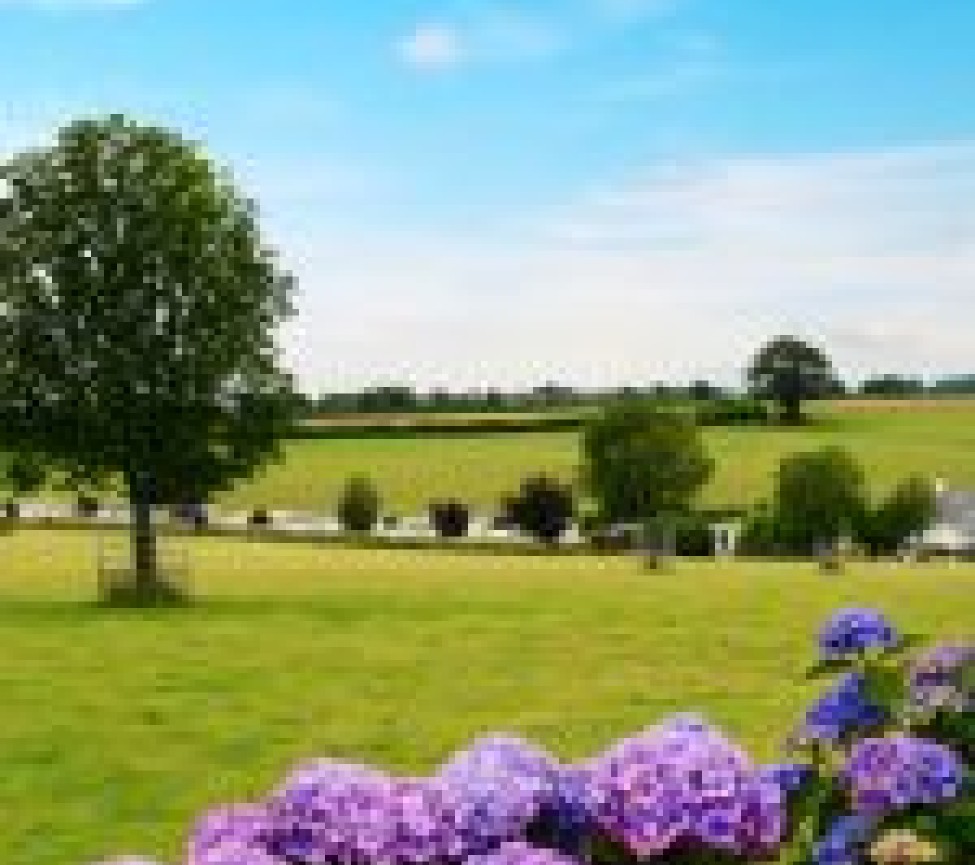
{"x": 359, "y": 505}
{"x": 642, "y": 460}
{"x": 819, "y": 497}
{"x": 789, "y": 371}
{"x": 451, "y": 519}
{"x": 138, "y": 313}
{"x": 910, "y": 508}
{"x": 543, "y": 508}
{"x": 23, "y": 475}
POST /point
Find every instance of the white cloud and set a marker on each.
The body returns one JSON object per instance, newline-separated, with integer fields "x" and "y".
{"x": 489, "y": 35}
{"x": 498, "y": 32}
{"x": 433, "y": 45}
{"x": 677, "y": 273}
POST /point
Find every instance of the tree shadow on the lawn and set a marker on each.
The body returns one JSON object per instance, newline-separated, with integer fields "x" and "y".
{"x": 18, "y": 611}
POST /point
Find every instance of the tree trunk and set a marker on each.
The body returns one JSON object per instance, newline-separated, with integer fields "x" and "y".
{"x": 792, "y": 411}
{"x": 146, "y": 586}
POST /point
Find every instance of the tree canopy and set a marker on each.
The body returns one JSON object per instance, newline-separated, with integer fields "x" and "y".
{"x": 643, "y": 460}
{"x": 139, "y": 308}
{"x": 789, "y": 371}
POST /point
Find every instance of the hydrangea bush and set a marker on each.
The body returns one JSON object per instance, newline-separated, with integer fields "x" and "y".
{"x": 879, "y": 773}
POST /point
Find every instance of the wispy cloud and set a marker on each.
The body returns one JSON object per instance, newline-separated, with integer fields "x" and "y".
{"x": 433, "y": 45}
{"x": 497, "y": 33}
{"x": 491, "y": 35}
{"x": 679, "y": 272}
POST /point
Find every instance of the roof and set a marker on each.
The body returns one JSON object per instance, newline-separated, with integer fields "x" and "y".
{"x": 957, "y": 508}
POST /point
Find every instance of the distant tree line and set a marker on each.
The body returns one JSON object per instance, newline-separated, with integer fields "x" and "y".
{"x": 404, "y": 399}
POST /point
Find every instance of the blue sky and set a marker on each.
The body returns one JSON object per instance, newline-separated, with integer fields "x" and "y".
{"x": 596, "y": 191}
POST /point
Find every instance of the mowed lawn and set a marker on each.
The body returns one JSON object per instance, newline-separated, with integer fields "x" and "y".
{"x": 118, "y": 727}
{"x": 891, "y": 438}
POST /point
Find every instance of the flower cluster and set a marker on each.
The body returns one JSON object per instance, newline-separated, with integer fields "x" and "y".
{"x": 894, "y": 772}
{"x": 230, "y": 835}
{"x": 844, "y": 842}
{"x": 683, "y": 783}
{"x": 679, "y": 789}
{"x": 790, "y": 777}
{"x": 520, "y": 853}
{"x": 844, "y": 710}
{"x": 853, "y": 631}
{"x": 943, "y": 678}
{"x": 503, "y": 784}
{"x": 339, "y": 812}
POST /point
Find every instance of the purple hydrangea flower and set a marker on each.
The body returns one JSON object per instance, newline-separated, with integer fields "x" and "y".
{"x": 334, "y": 812}
{"x": 855, "y": 630}
{"x": 897, "y": 771}
{"x": 943, "y": 678}
{"x": 845, "y": 841}
{"x": 503, "y": 785}
{"x": 520, "y": 853}
{"x": 566, "y": 821}
{"x": 683, "y": 782}
{"x": 245, "y": 825}
{"x": 790, "y": 777}
{"x": 236, "y": 853}
{"x": 324, "y": 809}
{"x": 845, "y": 709}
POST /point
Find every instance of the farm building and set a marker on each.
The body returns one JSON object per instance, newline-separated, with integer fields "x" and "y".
{"x": 953, "y": 530}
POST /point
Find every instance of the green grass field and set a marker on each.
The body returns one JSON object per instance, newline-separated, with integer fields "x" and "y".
{"x": 892, "y": 439}
{"x": 118, "y": 727}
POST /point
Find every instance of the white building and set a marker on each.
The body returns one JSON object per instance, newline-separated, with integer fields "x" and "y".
{"x": 953, "y": 530}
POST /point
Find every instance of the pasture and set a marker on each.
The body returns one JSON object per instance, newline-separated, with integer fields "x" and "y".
{"x": 118, "y": 727}
{"x": 891, "y": 439}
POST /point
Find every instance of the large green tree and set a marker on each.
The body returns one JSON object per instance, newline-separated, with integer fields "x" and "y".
{"x": 139, "y": 308}
{"x": 789, "y": 371}
{"x": 642, "y": 460}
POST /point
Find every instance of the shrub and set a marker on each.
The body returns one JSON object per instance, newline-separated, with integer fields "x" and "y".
{"x": 260, "y": 518}
{"x": 451, "y": 519}
{"x": 86, "y": 506}
{"x": 909, "y": 509}
{"x": 359, "y": 505}
{"x": 641, "y": 460}
{"x": 819, "y": 497}
{"x": 543, "y": 508}
{"x": 760, "y": 533}
{"x": 693, "y": 535}
{"x": 732, "y": 412}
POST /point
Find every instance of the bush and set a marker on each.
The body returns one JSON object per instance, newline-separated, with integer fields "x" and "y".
{"x": 693, "y": 536}
{"x": 908, "y": 510}
{"x": 260, "y": 518}
{"x": 191, "y": 513}
{"x": 732, "y": 412}
{"x": 641, "y": 460}
{"x": 86, "y": 506}
{"x": 359, "y": 505}
{"x": 819, "y": 497}
{"x": 450, "y": 519}
{"x": 543, "y": 508}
